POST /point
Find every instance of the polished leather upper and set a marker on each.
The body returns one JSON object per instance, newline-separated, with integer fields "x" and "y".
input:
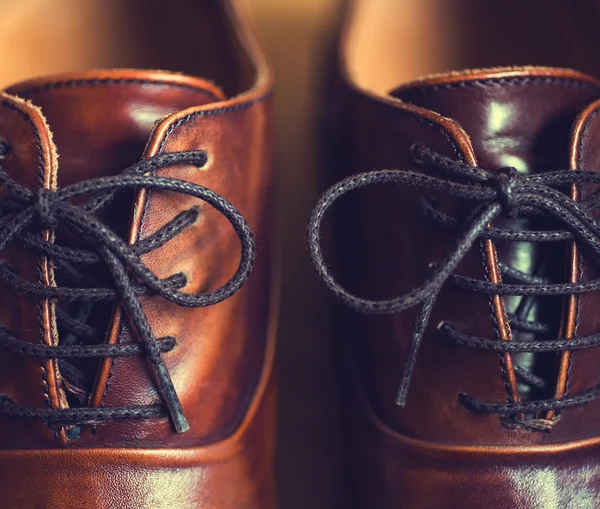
{"x": 115, "y": 103}
{"x": 382, "y": 132}
{"x": 433, "y": 452}
{"x": 72, "y": 127}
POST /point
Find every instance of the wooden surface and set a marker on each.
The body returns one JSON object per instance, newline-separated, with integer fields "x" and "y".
{"x": 295, "y": 33}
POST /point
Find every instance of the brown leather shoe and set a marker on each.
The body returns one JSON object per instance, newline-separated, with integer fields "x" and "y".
{"x": 135, "y": 370}
{"x": 472, "y": 362}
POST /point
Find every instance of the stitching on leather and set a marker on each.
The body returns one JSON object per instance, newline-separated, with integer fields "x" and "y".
{"x": 446, "y": 135}
{"x": 211, "y": 113}
{"x": 110, "y": 81}
{"x": 534, "y": 425}
{"x": 110, "y": 371}
{"x": 495, "y": 323}
{"x": 516, "y": 80}
{"x": 38, "y": 145}
{"x": 582, "y": 138}
{"x": 580, "y": 269}
{"x": 496, "y": 326}
{"x": 38, "y": 142}
{"x": 175, "y": 125}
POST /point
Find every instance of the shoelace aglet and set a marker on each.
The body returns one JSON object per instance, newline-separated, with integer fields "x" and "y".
{"x": 174, "y": 407}
{"x": 402, "y": 394}
{"x": 415, "y": 343}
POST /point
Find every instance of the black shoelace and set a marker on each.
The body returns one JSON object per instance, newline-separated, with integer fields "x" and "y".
{"x": 503, "y": 193}
{"x": 24, "y": 214}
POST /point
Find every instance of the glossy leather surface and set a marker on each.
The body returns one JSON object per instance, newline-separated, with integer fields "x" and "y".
{"x": 76, "y": 126}
{"x": 433, "y": 453}
{"x": 442, "y": 371}
{"x": 394, "y": 471}
{"x": 31, "y": 162}
{"x": 230, "y": 474}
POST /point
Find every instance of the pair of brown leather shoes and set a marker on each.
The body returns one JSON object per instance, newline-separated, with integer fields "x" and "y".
{"x": 139, "y": 282}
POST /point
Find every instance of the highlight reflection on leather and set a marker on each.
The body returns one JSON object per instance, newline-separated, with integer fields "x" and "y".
{"x": 393, "y": 471}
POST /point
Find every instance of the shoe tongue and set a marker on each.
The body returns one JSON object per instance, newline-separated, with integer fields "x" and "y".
{"x": 514, "y": 117}
{"x": 102, "y": 120}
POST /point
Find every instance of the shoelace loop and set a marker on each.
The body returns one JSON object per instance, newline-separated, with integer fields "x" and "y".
{"x": 490, "y": 194}
{"x": 24, "y": 213}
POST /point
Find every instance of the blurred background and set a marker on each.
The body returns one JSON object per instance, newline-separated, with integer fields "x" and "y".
{"x": 296, "y": 34}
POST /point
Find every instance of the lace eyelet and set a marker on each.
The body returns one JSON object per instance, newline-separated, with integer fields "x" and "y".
{"x": 120, "y": 260}
{"x": 416, "y": 150}
{"x": 179, "y": 280}
{"x": 173, "y": 346}
{"x": 207, "y": 162}
{"x": 4, "y": 148}
{"x": 184, "y": 280}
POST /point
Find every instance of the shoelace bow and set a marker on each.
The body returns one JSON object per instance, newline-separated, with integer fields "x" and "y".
{"x": 507, "y": 193}
{"x": 25, "y": 213}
